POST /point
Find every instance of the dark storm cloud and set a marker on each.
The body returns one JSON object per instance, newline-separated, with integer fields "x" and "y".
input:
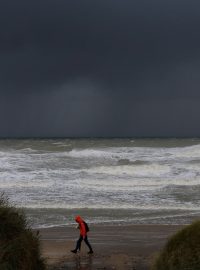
{"x": 89, "y": 65}
{"x": 114, "y": 42}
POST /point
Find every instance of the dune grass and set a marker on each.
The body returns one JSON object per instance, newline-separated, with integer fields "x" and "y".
{"x": 19, "y": 247}
{"x": 182, "y": 251}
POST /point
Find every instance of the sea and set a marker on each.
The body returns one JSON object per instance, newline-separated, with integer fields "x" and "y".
{"x": 107, "y": 181}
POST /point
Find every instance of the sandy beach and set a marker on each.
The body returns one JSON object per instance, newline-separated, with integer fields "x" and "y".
{"x": 115, "y": 247}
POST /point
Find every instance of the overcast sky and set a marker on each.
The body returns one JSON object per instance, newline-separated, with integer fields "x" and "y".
{"x": 99, "y": 68}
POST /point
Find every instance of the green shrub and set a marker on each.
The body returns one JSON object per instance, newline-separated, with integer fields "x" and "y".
{"x": 182, "y": 251}
{"x": 19, "y": 247}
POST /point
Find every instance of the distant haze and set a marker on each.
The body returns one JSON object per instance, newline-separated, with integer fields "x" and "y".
{"x": 99, "y": 68}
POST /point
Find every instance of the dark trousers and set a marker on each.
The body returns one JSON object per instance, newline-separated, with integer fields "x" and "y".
{"x": 78, "y": 244}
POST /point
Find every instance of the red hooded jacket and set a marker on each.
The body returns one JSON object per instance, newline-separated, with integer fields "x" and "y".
{"x": 80, "y": 221}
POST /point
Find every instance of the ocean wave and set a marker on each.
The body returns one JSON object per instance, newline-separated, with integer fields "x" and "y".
{"x": 149, "y": 207}
{"x": 151, "y": 170}
{"x": 187, "y": 152}
{"x": 124, "y": 177}
{"x": 129, "y": 162}
{"x": 144, "y": 154}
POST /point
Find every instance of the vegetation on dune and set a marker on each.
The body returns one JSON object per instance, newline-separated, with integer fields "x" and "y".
{"x": 19, "y": 247}
{"x": 182, "y": 251}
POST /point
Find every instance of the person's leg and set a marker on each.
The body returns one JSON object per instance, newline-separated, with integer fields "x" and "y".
{"x": 78, "y": 244}
{"x": 88, "y": 244}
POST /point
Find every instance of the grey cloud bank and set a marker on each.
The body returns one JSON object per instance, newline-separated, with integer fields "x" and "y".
{"x": 99, "y": 68}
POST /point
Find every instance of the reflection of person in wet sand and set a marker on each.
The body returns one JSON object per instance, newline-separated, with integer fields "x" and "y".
{"x": 83, "y": 235}
{"x": 83, "y": 263}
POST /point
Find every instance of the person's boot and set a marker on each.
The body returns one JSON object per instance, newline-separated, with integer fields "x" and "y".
{"x": 90, "y": 252}
{"x": 74, "y": 251}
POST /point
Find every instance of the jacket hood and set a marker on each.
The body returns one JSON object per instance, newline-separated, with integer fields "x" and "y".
{"x": 79, "y": 219}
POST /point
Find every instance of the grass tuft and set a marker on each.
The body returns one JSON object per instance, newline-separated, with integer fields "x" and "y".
{"x": 19, "y": 247}
{"x": 182, "y": 251}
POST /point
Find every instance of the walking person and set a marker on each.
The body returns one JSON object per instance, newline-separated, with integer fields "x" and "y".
{"x": 83, "y": 227}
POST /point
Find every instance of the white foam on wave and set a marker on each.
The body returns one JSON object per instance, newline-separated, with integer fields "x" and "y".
{"x": 54, "y": 176}
{"x": 151, "y": 170}
{"x": 115, "y": 153}
{"x": 139, "y": 153}
{"x": 188, "y": 152}
{"x": 138, "y": 184}
{"x": 113, "y": 206}
{"x": 33, "y": 178}
{"x": 145, "y": 154}
{"x": 90, "y": 153}
{"x": 61, "y": 144}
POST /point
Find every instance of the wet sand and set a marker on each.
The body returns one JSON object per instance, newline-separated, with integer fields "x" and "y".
{"x": 115, "y": 247}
